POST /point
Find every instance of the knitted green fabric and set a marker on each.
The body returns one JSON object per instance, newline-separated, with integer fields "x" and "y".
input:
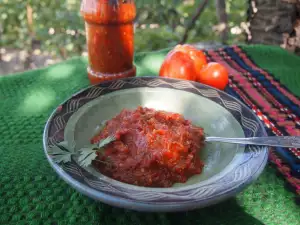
{"x": 32, "y": 193}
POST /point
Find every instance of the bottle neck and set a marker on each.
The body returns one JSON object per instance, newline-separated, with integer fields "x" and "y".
{"x": 108, "y": 11}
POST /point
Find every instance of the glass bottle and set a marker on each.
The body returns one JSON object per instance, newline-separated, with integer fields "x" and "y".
{"x": 110, "y": 38}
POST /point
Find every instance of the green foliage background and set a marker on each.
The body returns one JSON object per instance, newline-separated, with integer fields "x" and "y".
{"x": 63, "y": 17}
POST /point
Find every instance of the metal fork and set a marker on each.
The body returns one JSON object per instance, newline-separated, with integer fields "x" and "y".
{"x": 276, "y": 141}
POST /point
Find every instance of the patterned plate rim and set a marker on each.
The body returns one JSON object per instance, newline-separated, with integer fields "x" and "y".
{"x": 189, "y": 196}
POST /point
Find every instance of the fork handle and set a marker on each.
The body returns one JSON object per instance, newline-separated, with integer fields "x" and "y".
{"x": 276, "y": 141}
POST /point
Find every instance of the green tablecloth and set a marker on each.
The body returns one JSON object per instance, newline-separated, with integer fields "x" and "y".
{"x": 32, "y": 193}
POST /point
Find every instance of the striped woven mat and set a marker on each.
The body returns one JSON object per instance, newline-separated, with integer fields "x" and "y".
{"x": 271, "y": 101}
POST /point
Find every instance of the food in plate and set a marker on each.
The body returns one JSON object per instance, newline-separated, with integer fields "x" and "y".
{"x": 153, "y": 148}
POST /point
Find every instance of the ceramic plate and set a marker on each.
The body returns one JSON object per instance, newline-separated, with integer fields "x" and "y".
{"x": 229, "y": 168}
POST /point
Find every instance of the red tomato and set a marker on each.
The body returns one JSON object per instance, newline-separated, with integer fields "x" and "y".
{"x": 214, "y": 74}
{"x": 196, "y": 55}
{"x": 178, "y": 65}
{"x": 183, "y": 62}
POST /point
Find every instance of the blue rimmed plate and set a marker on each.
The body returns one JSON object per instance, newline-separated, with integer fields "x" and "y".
{"x": 229, "y": 168}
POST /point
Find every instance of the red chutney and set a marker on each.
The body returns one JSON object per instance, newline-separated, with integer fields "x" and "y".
{"x": 110, "y": 38}
{"x": 153, "y": 148}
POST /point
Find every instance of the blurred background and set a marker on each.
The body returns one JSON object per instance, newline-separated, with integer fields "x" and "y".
{"x": 37, "y": 33}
